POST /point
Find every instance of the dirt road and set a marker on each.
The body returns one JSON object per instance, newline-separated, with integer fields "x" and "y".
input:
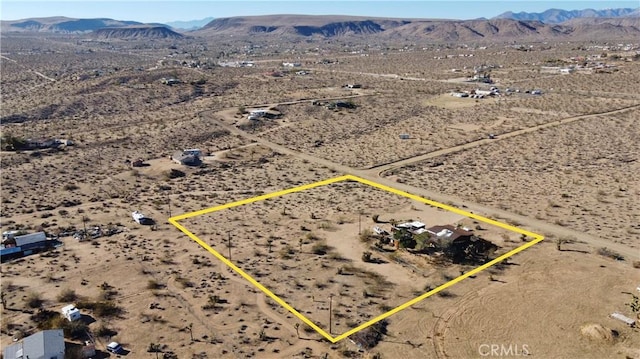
{"x": 374, "y": 174}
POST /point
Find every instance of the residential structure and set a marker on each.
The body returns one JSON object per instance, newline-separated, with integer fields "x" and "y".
{"x": 47, "y": 344}
{"x": 19, "y": 246}
{"x": 187, "y": 158}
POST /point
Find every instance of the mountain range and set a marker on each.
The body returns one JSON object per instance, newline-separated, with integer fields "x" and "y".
{"x": 61, "y": 24}
{"x": 329, "y": 26}
{"x": 556, "y": 16}
{"x": 575, "y": 25}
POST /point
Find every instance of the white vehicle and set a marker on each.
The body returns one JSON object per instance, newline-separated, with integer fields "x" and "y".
{"x": 71, "y": 313}
{"x": 141, "y": 218}
{"x": 115, "y": 348}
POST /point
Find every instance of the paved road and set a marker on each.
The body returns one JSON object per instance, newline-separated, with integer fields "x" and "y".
{"x": 373, "y": 174}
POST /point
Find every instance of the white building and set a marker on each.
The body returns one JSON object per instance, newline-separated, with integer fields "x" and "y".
{"x": 47, "y": 344}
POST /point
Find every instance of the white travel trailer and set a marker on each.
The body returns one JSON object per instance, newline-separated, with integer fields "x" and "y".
{"x": 141, "y": 218}
{"x": 71, "y": 313}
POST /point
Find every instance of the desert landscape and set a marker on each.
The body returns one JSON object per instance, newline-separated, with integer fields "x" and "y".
{"x": 535, "y": 129}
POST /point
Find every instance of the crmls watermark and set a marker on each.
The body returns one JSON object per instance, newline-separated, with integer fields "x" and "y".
{"x": 503, "y": 350}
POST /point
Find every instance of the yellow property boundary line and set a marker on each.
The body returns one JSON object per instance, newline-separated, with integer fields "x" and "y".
{"x": 174, "y": 220}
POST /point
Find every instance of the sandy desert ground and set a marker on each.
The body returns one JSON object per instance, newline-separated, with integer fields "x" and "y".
{"x": 562, "y": 164}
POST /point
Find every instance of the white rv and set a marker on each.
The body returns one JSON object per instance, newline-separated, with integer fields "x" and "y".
{"x": 71, "y": 313}
{"x": 141, "y": 218}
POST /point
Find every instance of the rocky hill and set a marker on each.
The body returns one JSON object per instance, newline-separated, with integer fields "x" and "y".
{"x": 136, "y": 32}
{"x": 60, "y": 24}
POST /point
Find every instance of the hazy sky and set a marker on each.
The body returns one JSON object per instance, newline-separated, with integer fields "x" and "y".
{"x": 166, "y": 11}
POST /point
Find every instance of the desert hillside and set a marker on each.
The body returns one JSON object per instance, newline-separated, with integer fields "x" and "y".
{"x": 326, "y": 26}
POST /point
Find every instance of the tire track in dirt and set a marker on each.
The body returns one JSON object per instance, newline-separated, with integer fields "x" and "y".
{"x": 440, "y": 327}
{"x": 283, "y": 322}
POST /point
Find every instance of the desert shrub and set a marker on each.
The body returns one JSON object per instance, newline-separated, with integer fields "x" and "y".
{"x": 320, "y": 248}
{"x": 366, "y": 236}
{"x": 185, "y": 282}
{"x": 371, "y": 336}
{"x": 174, "y": 173}
{"x": 101, "y": 308}
{"x": 366, "y": 256}
{"x": 70, "y": 187}
{"x": 286, "y": 252}
{"x": 47, "y": 319}
{"x": 67, "y": 295}
{"x": 34, "y": 300}
{"x": 606, "y": 252}
{"x": 104, "y": 331}
{"x": 636, "y": 264}
{"x": 154, "y": 284}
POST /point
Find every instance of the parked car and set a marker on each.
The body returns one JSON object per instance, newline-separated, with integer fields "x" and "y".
{"x": 115, "y": 348}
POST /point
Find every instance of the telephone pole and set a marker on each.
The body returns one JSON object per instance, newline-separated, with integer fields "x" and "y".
{"x": 330, "y": 305}
{"x": 229, "y": 244}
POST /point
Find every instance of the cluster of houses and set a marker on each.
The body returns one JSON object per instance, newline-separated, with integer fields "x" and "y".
{"x": 236, "y": 64}
{"x": 458, "y": 243}
{"x": 493, "y": 91}
{"x": 44, "y": 143}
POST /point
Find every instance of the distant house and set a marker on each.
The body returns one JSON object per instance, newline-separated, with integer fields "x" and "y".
{"x": 291, "y": 64}
{"x": 256, "y": 114}
{"x": 47, "y": 344}
{"x": 24, "y": 245}
{"x": 353, "y": 86}
{"x": 186, "y": 158}
{"x": 170, "y": 81}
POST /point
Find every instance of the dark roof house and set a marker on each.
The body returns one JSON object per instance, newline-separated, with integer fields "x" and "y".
{"x": 186, "y": 158}
{"x": 459, "y": 244}
{"x": 47, "y": 344}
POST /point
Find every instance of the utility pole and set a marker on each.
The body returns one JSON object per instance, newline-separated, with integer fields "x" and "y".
{"x": 84, "y": 224}
{"x": 169, "y": 203}
{"x": 330, "y": 305}
{"x": 229, "y": 244}
{"x": 360, "y": 223}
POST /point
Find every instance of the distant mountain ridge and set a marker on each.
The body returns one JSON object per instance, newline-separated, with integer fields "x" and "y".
{"x": 557, "y": 16}
{"x": 136, "y": 32}
{"x": 329, "y": 26}
{"x": 61, "y": 24}
{"x": 276, "y": 27}
{"x": 190, "y": 24}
